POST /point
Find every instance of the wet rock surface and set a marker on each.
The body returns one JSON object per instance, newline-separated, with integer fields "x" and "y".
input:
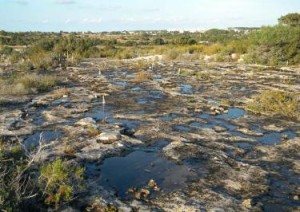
{"x": 169, "y": 143}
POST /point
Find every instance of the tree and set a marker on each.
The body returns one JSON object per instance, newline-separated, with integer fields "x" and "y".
{"x": 291, "y": 19}
{"x": 159, "y": 41}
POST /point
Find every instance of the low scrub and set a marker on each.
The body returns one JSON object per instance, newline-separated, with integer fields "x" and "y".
{"x": 59, "y": 181}
{"x": 276, "y": 103}
{"x": 142, "y": 76}
{"x": 26, "y": 84}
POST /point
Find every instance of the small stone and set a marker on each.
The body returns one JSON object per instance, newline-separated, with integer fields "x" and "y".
{"x": 156, "y": 188}
{"x": 145, "y": 192}
{"x": 137, "y": 195}
{"x": 198, "y": 110}
{"x": 273, "y": 127}
{"x": 86, "y": 122}
{"x": 219, "y": 129}
{"x": 152, "y": 183}
{"x": 131, "y": 190}
{"x": 285, "y": 137}
{"x": 247, "y": 203}
{"x": 127, "y": 131}
{"x": 109, "y": 137}
{"x": 217, "y": 112}
{"x": 296, "y": 198}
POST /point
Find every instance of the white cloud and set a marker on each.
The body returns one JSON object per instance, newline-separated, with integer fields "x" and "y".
{"x": 67, "y": 21}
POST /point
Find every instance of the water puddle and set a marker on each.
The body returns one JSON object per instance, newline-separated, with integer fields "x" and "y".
{"x": 120, "y": 83}
{"x": 233, "y": 113}
{"x": 157, "y": 78}
{"x": 137, "y": 168}
{"x": 168, "y": 118}
{"x": 132, "y": 124}
{"x": 213, "y": 123}
{"x": 149, "y": 97}
{"x": 46, "y": 136}
{"x": 141, "y": 166}
{"x": 271, "y": 138}
{"x": 136, "y": 88}
{"x": 182, "y": 128}
{"x": 186, "y": 88}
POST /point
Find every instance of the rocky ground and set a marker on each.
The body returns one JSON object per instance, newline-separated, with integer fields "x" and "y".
{"x": 174, "y": 142}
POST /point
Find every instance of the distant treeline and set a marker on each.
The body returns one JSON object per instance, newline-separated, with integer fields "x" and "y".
{"x": 276, "y": 45}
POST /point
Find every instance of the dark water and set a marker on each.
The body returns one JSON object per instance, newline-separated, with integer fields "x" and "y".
{"x": 137, "y": 168}
{"x": 120, "y": 83}
{"x": 233, "y": 113}
{"x": 186, "y": 88}
{"x": 271, "y": 138}
{"x": 45, "y": 136}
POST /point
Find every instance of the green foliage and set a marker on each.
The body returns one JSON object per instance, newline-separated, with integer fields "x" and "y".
{"x": 6, "y": 50}
{"x": 276, "y": 102}
{"x": 39, "y": 58}
{"x": 219, "y": 36}
{"x": 159, "y": 41}
{"x": 60, "y": 181}
{"x": 291, "y": 19}
{"x": 274, "y": 46}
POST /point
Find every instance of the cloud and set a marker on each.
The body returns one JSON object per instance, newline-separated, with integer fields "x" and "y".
{"x": 67, "y": 21}
{"x": 64, "y": 2}
{"x": 22, "y": 2}
{"x": 91, "y": 20}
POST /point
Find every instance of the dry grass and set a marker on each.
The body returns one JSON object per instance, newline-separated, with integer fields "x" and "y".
{"x": 26, "y": 84}
{"x": 142, "y": 76}
{"x": 59, "y": 93}
{"x": 172, "y": 54}
{"x": 69, "y": 149}
{"x": 92, "y": 131}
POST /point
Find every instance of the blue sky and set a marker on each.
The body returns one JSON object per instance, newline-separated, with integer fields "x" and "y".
{"x": 109, "y": 15}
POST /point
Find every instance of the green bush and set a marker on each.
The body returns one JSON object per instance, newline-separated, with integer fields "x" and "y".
{"x": 276, "y": 103}
{"x": 60, "y": 181}
{"x": 277, "y": 45}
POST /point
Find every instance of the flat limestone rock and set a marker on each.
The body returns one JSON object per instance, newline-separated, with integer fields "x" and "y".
{"x": 109, "y": 137}
{"x": 86, "y": 122}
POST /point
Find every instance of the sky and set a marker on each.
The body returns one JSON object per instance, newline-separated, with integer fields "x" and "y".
{"x": 118, "y": 15}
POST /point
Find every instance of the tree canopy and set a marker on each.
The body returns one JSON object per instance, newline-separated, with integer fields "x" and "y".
{"x": 291, "y": 19}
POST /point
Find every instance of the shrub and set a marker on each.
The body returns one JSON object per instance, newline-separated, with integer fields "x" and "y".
{"x": 172, "y": 54}
{"x": 276, "y": 103}
{"x": 60, "y": 181}
{"x": 142, "y": 76}
{"x": 59, "y": 93}
{"x": 274, "y": 45}
{"x": 26, "y": 84}
{"x": 17, "y": 178}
